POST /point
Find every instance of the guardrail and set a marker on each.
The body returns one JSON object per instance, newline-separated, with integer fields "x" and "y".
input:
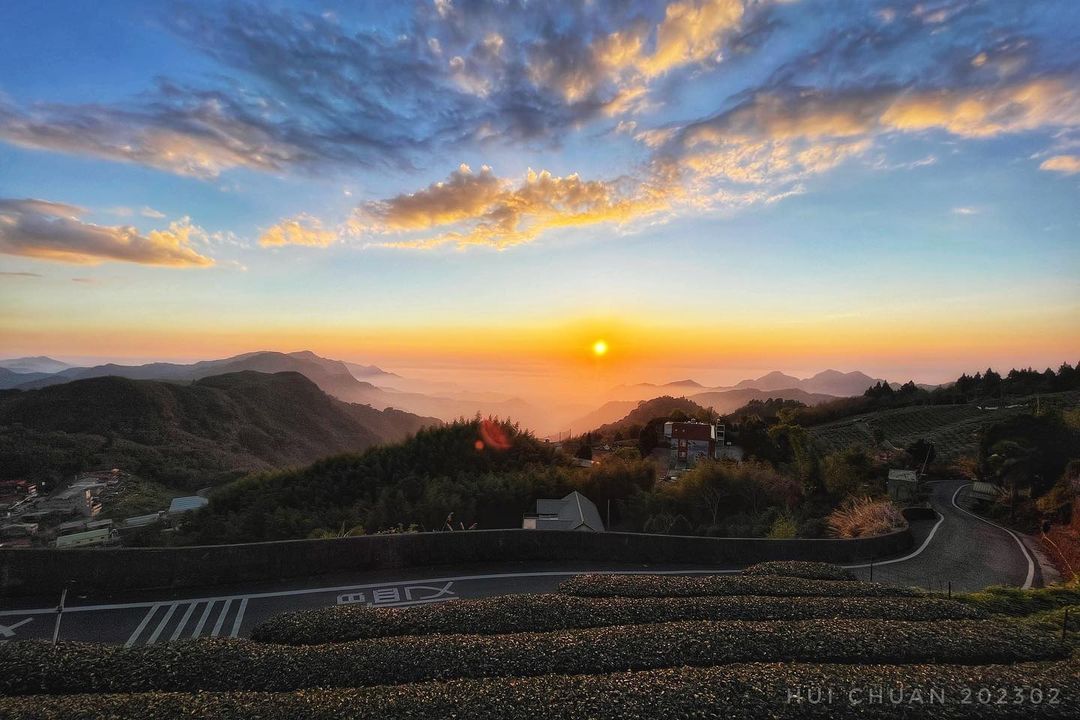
{"x": 36, "y": 571}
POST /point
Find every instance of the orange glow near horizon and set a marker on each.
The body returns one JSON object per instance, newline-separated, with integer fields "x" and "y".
{"x": 647, "y": 343}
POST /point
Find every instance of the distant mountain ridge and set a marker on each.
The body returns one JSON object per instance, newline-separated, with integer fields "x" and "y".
{"x": 38, "y": 364}
{"x": 826, "y": 382}
{"x": 720, "y": 401}
{"x": 335, "y": 377}
{"x": 190, "y": 435}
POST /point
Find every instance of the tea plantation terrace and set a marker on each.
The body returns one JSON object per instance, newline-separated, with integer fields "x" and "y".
{"x": 763, "y": 643}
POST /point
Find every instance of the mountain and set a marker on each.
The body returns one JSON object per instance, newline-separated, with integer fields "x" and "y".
{"x": 775, "y": 380}
{"x": 827, "y": 382}
{"x": 834, "y": 382}
{"x": 39, "y": 364}
{"x": 370, "y": 372}
{"x": 333, "y": 377}
{"x": 725, "y": 401}
{"x": 10, "y": 378}
{"x": 607, "y": 413}
{"x": 190, "y": 435}
{"x": 647, "y": 410}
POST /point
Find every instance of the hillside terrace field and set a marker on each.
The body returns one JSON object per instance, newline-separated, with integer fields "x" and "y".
{"x": 763, "y": 644}
{"x": 953, "y": 429}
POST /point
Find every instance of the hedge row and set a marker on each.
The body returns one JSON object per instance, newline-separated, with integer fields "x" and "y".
{"x": 724, "y": 585}
{"x": 545, "y": 613}
{"x": 737, "y": 692}
{"x": 795, "y": 568}
{"x": 226, "y": 664}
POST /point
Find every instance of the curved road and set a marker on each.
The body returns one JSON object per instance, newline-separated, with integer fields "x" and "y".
{"x": 958, "y": 548}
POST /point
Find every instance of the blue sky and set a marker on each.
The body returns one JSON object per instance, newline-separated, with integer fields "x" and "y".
{"x": 884, "y": 185}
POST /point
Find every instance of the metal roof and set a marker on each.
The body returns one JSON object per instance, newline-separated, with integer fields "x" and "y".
{"x": 186, "y": 504}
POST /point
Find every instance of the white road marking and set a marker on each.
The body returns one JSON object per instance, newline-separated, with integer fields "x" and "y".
{"x": 239, "y": 618}
{"x": 221, "y": 618}
{"x": 183, "y": 621}
{"x": 384, "y": 583}
{"x": 1023, "y": 548}
{"x": 202, "y": 620}
{"x": 409, "y": 603}
{"x": 9, "y": 630}
{"x": 142, "y": 626}
{"x": 926, "y": 542}
{"x": 161, "y": 625}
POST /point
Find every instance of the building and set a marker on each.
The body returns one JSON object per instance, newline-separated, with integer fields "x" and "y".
{"x": 140, "y": 521}
{"x": 903, "y": 485}
{"x": 182, "y": 505}
{"x": 690, "y": 442}
{"x": 75, "y": 500}
{"x": 573, "y": 512}
{"x": 84, "y": 539}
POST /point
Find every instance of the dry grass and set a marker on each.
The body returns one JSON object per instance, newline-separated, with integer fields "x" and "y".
{"x": 863, "y": 517}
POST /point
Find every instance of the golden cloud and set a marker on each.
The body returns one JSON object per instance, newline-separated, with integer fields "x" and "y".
{"x": 1067, "y": 164}
{"x": 300, "y": 230}
{"x": 469, "y": 210}
{"x": 53, "y": 231}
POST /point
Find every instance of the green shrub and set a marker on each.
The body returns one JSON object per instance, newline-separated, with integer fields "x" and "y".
{"x": 808, "y": 570}
{"x": 724, "y": 585}
{"x": 1015, "y": 601}
{"x": 542, "y": 613}
{"x": 28, "y": 667}
{"x": 737, "y": 692}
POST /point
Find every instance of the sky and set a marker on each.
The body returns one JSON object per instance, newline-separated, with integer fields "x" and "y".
{"x": 715, "y": 188}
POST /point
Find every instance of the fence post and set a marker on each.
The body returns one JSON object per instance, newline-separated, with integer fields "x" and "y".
{"x": 950, "y": 589}
{"x": 1064, "y": 623}
{"x": 59, "y": 615}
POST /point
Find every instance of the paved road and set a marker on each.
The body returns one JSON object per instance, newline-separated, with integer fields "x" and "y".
{"x": 958, "y": 548}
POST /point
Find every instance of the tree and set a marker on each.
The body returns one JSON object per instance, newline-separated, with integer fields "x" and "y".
{"x": 848, "y": 472}
{"x": 922, "y": 452}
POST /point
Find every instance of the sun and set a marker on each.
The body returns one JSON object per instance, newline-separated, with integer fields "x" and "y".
{"x": 599, "y": 348}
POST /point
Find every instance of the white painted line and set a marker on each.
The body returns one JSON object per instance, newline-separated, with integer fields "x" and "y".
{"x": 221, "y": 618}
{"x": 161, "y": 625}
{"x": 409, "y": 603}
{"x": 933, "y": 531}
{"x": 1023, "y": 548}
{"x": 142, "y": 626}
{"x": 183, "y": 622}
{"x": 202, "y": 620}
{"x": 384, "y": 583}
{"x": 239, "y": 618}
{"x": 9, "y": 630}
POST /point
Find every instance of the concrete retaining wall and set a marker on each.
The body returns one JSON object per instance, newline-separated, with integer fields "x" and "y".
{"x": 37, "y": 571}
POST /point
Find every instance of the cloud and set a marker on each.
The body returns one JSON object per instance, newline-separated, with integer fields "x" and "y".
{"x": 1067, "y": 164}
{"x": 303, "y": 91}
{"x": 53, "y": 231}
{"x": 20, "y": 274}
{"x": 479, "y": 209}
{"x": 786, "y": 135}
{"x": 965, "y": 211}
{"x": 300, "y": 230}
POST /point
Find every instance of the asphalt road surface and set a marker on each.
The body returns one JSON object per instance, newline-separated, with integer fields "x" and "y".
{"x": 957, "y": 548}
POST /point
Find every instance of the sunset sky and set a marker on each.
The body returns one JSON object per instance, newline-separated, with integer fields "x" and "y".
{"x": 716, "y": 188}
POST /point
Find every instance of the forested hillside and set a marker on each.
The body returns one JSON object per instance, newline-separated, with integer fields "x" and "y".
{"x": 187, "y": 436}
